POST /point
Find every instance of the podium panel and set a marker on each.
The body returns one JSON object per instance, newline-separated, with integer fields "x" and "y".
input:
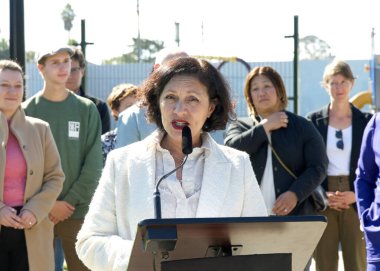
{"x": 257, "y": 236}
{"x": 263, "y": 262}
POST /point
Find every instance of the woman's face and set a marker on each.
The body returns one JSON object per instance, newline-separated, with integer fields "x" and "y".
{"x": 124, "y": 104}
{"x": 11, "y": 91}
{"x": 184, "y": 102}
{"x": 339, "y": 88}
{"x": 264, "y": 96}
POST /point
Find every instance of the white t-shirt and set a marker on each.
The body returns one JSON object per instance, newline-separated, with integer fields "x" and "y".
{"x": 267, "y": 182}
{"x": 339, "y": 160}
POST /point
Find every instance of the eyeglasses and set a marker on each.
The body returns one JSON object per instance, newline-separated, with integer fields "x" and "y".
{"x": 338, "y": 84}
{"x": 339, "y": 136}
{"x": 75, "y": 70}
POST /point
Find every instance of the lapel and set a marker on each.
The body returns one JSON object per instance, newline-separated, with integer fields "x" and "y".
{"x": 322, "y": 121}
{"x": 356, "y": 122}
{"x": 216, "y": 180}
{"x": 144, "y": 168}
{"x": 26, "y": 139}
{"x": 358, "y": 125}
{"x": 142, "y": 174}
{"x": 3, "y": 141}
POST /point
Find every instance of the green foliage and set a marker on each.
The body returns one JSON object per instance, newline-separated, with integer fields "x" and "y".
{"x": 4, "y": 49}
{"x": 73, "y": 42}
{"x": 148, "y": 50}
{"x": 5, "y": 53}
{"x": 312, "y": 47}
{"x": 30, "y": 56}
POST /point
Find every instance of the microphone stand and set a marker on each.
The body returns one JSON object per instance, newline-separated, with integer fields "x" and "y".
{"x": 156, "y": 194}
{"x": 164, "y": 239}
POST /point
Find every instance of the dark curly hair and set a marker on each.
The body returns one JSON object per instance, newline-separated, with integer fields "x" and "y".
{"x": 217, "y": 87}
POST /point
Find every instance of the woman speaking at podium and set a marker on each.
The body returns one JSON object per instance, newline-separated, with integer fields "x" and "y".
{"x": 216, "y": 181}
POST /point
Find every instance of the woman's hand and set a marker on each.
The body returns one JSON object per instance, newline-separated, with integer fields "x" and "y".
{"x": 9, "y": 218}
{"x": 28, "y": 219}
{"x": 341, "y": 200}
{"x": 275, "y": 121}
{"x": 285, "y": 203}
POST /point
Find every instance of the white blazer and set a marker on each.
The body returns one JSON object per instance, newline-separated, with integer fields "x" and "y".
{"x": 124, "y": 197}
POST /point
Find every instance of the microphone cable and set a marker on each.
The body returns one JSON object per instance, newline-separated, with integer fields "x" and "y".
{"x": 156, "y": 194}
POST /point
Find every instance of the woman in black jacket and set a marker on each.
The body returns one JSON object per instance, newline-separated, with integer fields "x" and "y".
{"x": 295, "y": 140}
{"x": 341, "y": 126}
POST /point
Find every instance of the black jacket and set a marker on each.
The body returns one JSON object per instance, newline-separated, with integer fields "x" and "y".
{"x": 320, "y": 119}
{"x": 300, "y": 147}
{"x": 103, "y": 111}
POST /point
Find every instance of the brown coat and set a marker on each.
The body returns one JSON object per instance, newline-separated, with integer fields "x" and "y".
{"x": 44, "y": 182}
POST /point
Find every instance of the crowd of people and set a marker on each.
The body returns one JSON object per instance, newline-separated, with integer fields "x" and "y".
{"x": 73, "y": 190}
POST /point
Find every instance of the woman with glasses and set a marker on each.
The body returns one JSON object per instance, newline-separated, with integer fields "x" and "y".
{"x": 341, "y": 126}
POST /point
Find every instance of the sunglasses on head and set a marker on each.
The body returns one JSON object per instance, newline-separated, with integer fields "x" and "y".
{"x": 339, "y": 136}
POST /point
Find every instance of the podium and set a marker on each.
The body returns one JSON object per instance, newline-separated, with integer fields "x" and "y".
{"x": 239, "y": 244}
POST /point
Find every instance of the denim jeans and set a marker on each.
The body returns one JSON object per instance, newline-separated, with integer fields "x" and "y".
{"x": 59, "y": 256}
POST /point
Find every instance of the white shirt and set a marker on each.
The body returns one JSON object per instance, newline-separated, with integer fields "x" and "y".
{"x": 179, "y": 198}
{"x": 339, "y": 160}
{"x": 267, "y": 182}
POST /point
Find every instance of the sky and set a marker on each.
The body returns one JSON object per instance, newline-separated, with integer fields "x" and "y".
{"x": 250, "y": 29}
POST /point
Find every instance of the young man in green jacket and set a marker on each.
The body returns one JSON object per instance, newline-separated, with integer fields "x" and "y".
{"x": 76, "y": 127}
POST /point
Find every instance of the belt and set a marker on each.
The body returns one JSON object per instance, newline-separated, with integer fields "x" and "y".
{"x": 338, "y": 183}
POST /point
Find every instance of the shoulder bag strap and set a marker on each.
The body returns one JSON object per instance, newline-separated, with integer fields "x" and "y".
{"x": 281, "y": 162}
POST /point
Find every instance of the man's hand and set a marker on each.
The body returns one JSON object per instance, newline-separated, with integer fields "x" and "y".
{"x": 62, "y": 210}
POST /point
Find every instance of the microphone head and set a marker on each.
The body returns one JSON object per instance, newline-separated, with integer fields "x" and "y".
{"x": 187, "y": 141}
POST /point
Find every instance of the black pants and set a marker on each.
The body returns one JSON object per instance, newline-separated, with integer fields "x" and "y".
{"x": 13, "y": 253}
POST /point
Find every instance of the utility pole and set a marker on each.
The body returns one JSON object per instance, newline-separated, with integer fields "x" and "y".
{"x": 83, "y": 45}
{"x": 177, "y": 33}
{"x": 138, "y": 33}
{"x": 17, "y": 32}
{"x": 295, "y": 36}
{"x": 202, "y": 34}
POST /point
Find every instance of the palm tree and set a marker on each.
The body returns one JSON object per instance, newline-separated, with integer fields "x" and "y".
{"x": 68, "y": 16}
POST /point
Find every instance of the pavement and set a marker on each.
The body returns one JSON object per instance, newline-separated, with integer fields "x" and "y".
{"x": 340, "y": 266}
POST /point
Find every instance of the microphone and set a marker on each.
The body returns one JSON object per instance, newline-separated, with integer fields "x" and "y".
{"x": 187, "y": 141}
{"x": 187, "y": 148}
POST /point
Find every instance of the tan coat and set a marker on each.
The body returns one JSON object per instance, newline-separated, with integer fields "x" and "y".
{"x": 44, "y": 182}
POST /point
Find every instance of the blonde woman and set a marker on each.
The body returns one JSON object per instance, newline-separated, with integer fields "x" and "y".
{"x": 122, "y": 96}
{"x": 31, "y": 179}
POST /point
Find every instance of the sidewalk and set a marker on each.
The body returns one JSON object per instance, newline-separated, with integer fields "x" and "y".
{"x": 340, "y": 267}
